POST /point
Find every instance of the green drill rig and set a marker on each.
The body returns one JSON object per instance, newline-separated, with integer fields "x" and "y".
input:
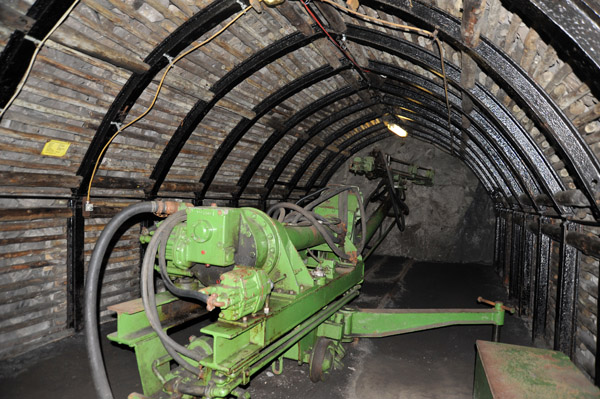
{"x": 283, "y": 282}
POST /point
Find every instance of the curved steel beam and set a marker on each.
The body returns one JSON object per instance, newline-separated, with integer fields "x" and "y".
{"x": 481, "y": 130}
{"x": 223, "y": 86}
{"x": 310, "y": 133}
{"x": 434, "y": 122}
{"x": 583, "y": 166}
{"x": 301, "y": 171}
{"x": 194, "y": 27}
{"x": 336, "y": 165}
{"x": 572, "y": 27}
{"x": 520, "y": 141}
{"x": 261, "y": 109}
{"x": 436, "y": 105}
{"x": 497, "y": 113}
{"x": 278, "y": 134}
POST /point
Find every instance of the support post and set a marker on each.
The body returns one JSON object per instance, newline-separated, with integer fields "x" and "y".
{"x": 566, "y": 301}
{"x": 515, "y": 258}
{"x": 542, "y": 274}
{"x": 499, "y": 242}
{"x": 75, "y": 265}
{"x": 507, "y": 248}
{"x": 525, "y": 274}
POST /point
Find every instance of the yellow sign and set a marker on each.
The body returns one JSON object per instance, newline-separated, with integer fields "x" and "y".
{"x": 56, "y": 148}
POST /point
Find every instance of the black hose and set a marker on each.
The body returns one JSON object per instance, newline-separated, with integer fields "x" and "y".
{"x": 320, "y": 228}
{"x": 98, "y": 369}
{"x": 170, "y": 224}
{"x": 149, "y": 301}
{"x": 327, "y": 195}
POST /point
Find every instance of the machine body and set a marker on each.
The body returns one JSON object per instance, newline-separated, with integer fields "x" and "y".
{"x": 283, "y": 282}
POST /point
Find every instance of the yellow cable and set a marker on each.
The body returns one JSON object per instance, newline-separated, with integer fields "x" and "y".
{"x": 38, "y": 48}
{"x": 424, "y": 32}
{"x": 143, "y": 114}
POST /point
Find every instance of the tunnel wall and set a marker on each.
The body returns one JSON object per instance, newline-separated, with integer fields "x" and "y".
{"x": 536, "y": 93}
{"x": 452, "y": 221}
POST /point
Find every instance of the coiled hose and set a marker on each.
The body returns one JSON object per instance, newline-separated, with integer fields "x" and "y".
{"x": 173, "y": 348}
{"x": 98, "y": 369}
{"x": 313, "y": 218}
{"x": 92, "y": 341}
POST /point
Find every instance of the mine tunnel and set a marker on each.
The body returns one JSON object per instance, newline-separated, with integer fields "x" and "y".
{"x": 244, "y": 155}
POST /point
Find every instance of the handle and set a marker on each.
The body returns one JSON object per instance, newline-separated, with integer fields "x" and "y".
{"x": 496, "y": 304}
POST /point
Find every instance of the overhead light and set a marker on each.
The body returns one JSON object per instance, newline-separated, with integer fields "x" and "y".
{"x": 393, "y": 124}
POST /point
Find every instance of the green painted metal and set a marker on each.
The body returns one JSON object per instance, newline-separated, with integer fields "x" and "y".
{"x": 386, "y": 322}
{"x": 240, "y": 292}
{"x": 284, "y": 294}
{"x": 133, "y": 329}
{"x": 511, "y": 371}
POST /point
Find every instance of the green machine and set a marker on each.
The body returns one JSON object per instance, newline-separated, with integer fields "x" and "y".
{"x": 282, "y": 281}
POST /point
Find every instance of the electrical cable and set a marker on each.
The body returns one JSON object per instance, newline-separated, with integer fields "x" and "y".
{"x": 346, "y": 53}
{"x": 424, "y": 32}
{"x": 311, "y": 195}
{"x": 143, "y": 114}
{"x": 38, "y": 48}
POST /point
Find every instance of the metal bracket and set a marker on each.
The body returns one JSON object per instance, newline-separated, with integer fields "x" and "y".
{"x": 168, "y": 57}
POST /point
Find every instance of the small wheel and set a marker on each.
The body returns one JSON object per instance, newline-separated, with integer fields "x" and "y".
{"x": 321, "y": 359}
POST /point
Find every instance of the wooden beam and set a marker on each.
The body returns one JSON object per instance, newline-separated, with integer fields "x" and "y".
{"x": 332, "y": 16}
{"x": 13, "y": 19}
{"x": 11, "y": 214}
{"x": 20, "y": 179}
{"x": 289, "y": 12}
{"x": 473, "y": 19}
{"x": 71, "y": 38}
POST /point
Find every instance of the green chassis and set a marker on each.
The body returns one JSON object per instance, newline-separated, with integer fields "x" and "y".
{"x": 279, "y": 308}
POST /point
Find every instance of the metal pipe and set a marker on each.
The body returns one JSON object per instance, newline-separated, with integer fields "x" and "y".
{"x": 377, "y": 218}
{"x": 304, "y": 236}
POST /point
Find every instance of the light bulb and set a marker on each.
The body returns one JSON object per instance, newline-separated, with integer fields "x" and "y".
{"x": 396, "y": 128}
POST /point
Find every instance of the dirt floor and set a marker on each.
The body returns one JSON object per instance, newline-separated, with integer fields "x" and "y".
{"x": 426, "y": 365}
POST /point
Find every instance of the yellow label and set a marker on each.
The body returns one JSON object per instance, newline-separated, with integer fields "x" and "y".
{"x": 56, "y": 148}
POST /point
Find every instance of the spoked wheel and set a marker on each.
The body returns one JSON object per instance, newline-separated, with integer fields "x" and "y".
{"x": 322, "y": 359}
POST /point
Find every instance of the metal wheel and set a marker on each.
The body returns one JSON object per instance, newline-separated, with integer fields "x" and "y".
{"x": 321, "y": 359}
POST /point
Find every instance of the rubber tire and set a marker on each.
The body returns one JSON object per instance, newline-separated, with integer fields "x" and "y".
{"x": 323, "y": 347}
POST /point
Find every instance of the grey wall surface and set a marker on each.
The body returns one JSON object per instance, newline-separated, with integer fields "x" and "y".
{"x": 453, "y": 221}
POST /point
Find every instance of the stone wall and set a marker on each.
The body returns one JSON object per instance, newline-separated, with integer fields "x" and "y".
{"x": 453, "y": 221}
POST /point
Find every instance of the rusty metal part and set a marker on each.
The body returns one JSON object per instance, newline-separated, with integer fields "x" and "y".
{"x": 492, "y": 303}
{"x": 212, "y": 303}
{"x": 166, "y": 208}
{"x": 511, "y": 371}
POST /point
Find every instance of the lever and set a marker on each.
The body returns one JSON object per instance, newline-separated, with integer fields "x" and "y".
{"x": 495, "y": 304}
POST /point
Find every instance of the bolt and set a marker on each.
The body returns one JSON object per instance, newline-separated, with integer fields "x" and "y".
{"x": 292, "y": 292}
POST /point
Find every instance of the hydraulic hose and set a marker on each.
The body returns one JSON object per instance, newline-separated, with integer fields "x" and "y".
{"x": 149, "y": 300}
{"x": 163, "y": 237}
{"x": 98, "y": 369}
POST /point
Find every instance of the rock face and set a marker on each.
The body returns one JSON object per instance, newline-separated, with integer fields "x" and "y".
{"x": 452, "y": 221}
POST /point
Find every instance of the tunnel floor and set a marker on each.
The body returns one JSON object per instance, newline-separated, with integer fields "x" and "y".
{"x": 429, "y": 365}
